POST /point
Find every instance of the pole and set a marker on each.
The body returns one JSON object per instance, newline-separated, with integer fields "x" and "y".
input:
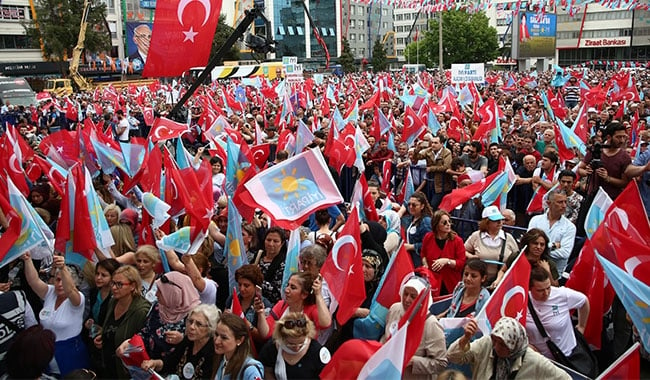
{"x": 417, "y": 52}
{"x": 440, "y": 41}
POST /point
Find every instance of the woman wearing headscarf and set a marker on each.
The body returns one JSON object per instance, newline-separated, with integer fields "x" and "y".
{"x": 390, "y": 220}
{"x": 165, "y": 325}
{"x": 502, "y": 355}
{"x": 431, "y": 355}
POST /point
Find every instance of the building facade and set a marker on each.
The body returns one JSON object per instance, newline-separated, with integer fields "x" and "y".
{"x": 406, "y": 23}
{"x": 362, "y": 24}
{"x": 14, "y": 46}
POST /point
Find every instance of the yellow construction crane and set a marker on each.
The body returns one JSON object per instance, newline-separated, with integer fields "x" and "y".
{"x": 79, "y": 80}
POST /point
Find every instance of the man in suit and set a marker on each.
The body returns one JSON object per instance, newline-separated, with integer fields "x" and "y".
{"x": 142, "y": 39}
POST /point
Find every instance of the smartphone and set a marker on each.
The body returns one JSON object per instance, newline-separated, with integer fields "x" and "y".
{"x": 258, "y": 291}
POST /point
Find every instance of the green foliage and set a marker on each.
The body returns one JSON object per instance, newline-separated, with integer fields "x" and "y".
{"x": 466, "y": 38}
{"x": 378, "y": 57}
{"x": 58, "y": 27}
{"x": 346, "y": 60}
{"x": 220, "y": 36}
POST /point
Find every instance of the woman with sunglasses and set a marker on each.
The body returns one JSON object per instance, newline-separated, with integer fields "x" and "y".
{"x": 164, "y": 328}
{"x": 302, "y": 294}
{"x": 294, "y": 353}
{"x": 443, "y": 252}
{"x": 491, "y": 243}
{"x": 420, "y": 211}
{"x": 127, "y": 311}
{"x": 232, "y": 346}
{"x": 194, "y": 356}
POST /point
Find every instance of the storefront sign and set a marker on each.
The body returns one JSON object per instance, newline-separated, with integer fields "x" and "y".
{"x": 605, "y": 42}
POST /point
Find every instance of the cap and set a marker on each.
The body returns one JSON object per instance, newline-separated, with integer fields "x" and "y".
{"x": 592, "y": 109}
{"x": 249, "y": 115}
{"x": 615, "y": 104}
{"x": 492, "y": 213}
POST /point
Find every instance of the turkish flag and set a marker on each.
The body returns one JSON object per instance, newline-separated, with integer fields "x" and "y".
{"x": 413, "y": 126}
{"x": 627, "y": 366}
{"x": 56, "y": 178}
{"x": 588, "y": 277}
{"x": 368, "y": 203}
{"x": 348, "y": 360}
{"x": 489, "y": 113}
{"x": 623, "y": 236}
{"x": 459, "y": 196}
{"x": 341, "y": 150}
{"x": 344, "y": 268}
{"x": 12, "y": 233}
{"x": 182, "y": 36}
{"x": 235, "y": 307}
{"x": 164, "y": 129}
{"x": 148, "y": 115}
{"x": 510, "y": 298}
{"x": 260, "y": 154}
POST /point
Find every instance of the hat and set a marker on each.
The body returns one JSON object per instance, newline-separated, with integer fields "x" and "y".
{"x": 464, "y": 177}
{"x": 249, "y": 115}
{"x": 615, "y": 104}
{"x": 592, "y": 109}
{"x": 492, "y": 213}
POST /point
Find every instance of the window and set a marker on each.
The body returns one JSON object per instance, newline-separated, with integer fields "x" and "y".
{"x": 291, "y": 31}
{"x": 300, "y": 31}
{"x": 352, "y": 23}
{"x": 14, "y": 42}
{"x": 281, "y": 30}
{"x": 9, "y": 12}
{"x": 360, "y": 10}
{"x": 323, "y": 31}
{"x": 332, "y": 32}
{"x": 353, "y": 37}
{"x": 361, "y": 37}
{"x": 384, "y": 25}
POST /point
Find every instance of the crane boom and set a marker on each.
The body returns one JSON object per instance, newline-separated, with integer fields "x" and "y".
{"x": 80, "y": 81}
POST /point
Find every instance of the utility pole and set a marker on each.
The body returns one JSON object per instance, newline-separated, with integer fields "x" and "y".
{"x": 440, "y": 40}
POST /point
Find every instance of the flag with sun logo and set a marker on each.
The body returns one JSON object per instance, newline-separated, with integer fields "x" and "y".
{"x": 293, "y": 189}
{"x": 234, "y": 246}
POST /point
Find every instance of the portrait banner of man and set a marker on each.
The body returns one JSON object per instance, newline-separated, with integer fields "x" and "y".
{"x": 138, "y": 37}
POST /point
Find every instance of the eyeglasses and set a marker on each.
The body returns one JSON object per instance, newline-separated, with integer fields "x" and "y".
{"x": 413, "y": 204}
{"x": 446, "y": 223}
{"x": 292, "y": 323}
{"x": 118, "y": 284}
{"x": 196, "y": 323}
{"x": 166, "y": 280}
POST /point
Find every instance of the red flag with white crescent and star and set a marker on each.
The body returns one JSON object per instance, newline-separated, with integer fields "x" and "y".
{"x": 344, "y": 268}
{"x": 164, "y": 129}
{"x": 182, "y": 36}
{"x": 510, "y": 298}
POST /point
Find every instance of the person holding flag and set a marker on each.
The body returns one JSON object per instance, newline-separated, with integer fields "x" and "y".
{"x": 504, "y": 354}
{"x": 431, "y": 355}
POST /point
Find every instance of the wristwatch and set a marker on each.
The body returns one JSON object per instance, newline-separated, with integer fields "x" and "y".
{"x": 449, "y": 262}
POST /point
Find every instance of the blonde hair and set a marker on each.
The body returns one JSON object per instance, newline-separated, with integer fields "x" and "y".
{"x": 148, "y": 251}
{"x": 281, "y": 332}
{"x": 123, "y": 237}
{"x": 133, "y": 276}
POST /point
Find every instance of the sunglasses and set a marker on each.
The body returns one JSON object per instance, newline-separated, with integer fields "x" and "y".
{"x": 118, "y": 284}
{"x": 165, "y": 280}
{"x": 446, "y": 223}
{"x": 292, "y": 323}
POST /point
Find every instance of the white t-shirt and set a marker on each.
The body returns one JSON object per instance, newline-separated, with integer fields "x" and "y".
{"x": 124, "y": 136}
{"x": 555, "y": 317}
{"x": 209, "y": 294}
{"x": 65, "y": 321}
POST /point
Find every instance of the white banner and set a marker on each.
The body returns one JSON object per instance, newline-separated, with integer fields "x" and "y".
{"x": 467, "y": 72}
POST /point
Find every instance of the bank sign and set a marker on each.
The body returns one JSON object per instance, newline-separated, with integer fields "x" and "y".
{"x": 604, "y": 42}
{"x": 467, "y": 72}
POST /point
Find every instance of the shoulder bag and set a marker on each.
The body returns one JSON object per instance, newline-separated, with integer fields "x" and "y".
{"x": 581, "y": 358}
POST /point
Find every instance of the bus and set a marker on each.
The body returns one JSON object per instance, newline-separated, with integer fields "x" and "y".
{"x": 16, "y": 91}
{"x": 414, "y": 68}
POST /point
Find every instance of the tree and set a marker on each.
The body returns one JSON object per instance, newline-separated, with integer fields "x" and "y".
{"x": 59, "y": 22}
{"x": 378, "y": 56}
{"x": 220, "y": 36}
{"x": 466, "y": 38}
{"x": 346, "y": 60}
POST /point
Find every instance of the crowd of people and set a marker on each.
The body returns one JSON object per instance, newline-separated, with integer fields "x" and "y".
{"x": 65, "y": 320}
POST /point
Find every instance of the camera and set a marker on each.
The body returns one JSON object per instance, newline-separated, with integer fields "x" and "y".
{"x": 596, "y": 154}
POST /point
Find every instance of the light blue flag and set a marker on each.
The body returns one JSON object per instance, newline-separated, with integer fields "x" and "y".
{"x": 304, "y": 137}
{"x": 635, "y": 296}
{"x": 35, "y": 236}
{"x": 433, "y": 123}
{"x": 253, "y": 82}
{"x": 156, "y": 208}
{"x": 409, "y": 100}
{"x": 329, "y": 94}
{"x": 571, "y": 140}
{"x": 183, "y": 157}
{"x": 178, "y": 241}
{"x": 133, "y": 155}
{"x": 292, "y": 259}
{"x": 596, "y": 213}
{"x": 391, "y": 141}
{"x": 547, "y": 105}
{"x": 234, "y": 169}
{"x": 494, "y": 189}
{"x": 354, "y": 114}
{"x": 465, "y": 96}
{"x": 234, "y": 249}
{"x": 337, "y": 119}
{"x": 101, "y": 230}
